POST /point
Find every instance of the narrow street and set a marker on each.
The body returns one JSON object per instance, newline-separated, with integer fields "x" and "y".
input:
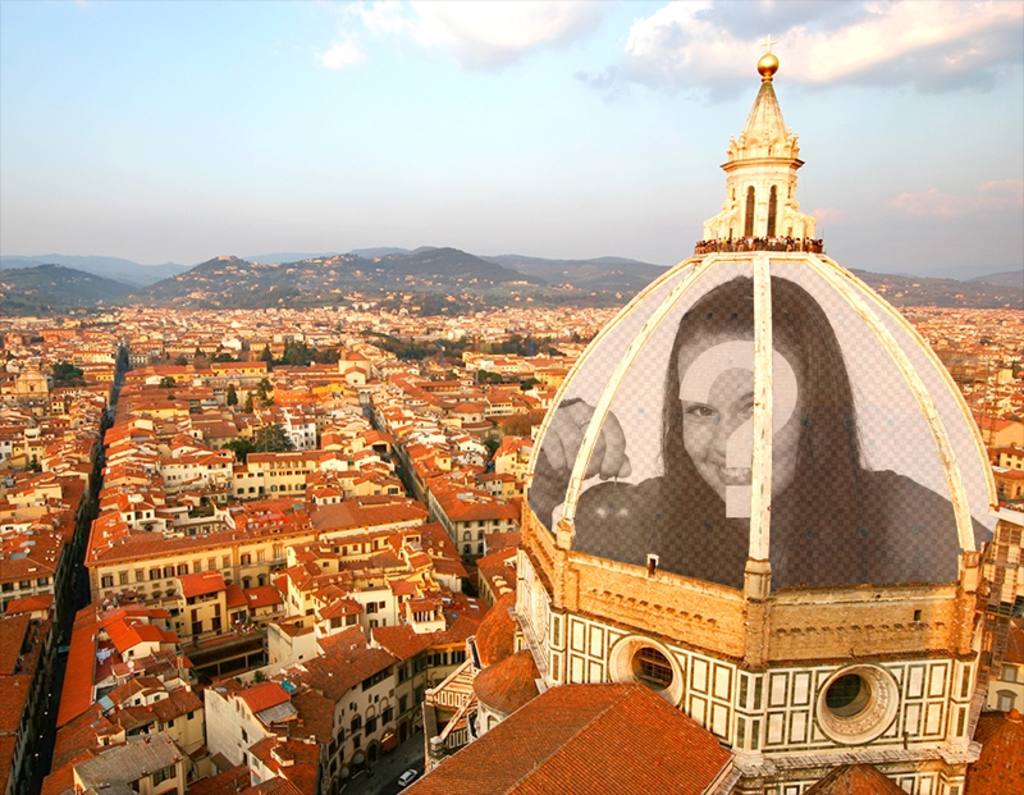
{"x": 382, "y": 779}
{"x": 74, "y": 597}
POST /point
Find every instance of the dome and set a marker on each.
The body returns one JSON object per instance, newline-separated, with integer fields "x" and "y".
{"x": 759, "y": 493}
{"x": 867, "y": 466}
{"x": 505, "y": 686}
{"x": 758, "y": 404}
{"x": 495, "y": 636}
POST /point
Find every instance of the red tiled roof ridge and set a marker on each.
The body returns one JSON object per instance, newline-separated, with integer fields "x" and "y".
{"x": 860, "y": 779}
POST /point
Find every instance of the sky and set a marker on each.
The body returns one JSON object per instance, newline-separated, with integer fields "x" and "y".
{"x": 182, "y": 131}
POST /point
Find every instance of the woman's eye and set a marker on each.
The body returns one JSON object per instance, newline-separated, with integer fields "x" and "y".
{"x": 699, "y": 410}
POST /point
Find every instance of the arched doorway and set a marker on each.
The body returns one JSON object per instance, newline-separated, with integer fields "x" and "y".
{"x": 748, "y": 223}
{"x": 772, "y": 202}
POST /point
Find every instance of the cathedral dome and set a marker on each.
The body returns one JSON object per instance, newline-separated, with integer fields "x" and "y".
{"x": 760, "y": 494}
{"x": 758, "y": 407}
{"x": 766, "y": 406}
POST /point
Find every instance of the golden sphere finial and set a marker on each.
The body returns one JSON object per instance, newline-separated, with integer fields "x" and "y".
{"x": 767, "y": 66}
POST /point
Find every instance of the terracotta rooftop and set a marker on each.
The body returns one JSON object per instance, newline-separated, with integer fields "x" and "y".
{"x": 227, "y": 782}
{"x": 1014, "y": 643}
{"x": 401, "y": 640}
{"x": 201, "y": 584}
{"x": 509, "y": 684}
{"x": 569, "y": 732}
{"x": 262, "y": 596}
{"x": 264, "y": 696}
{"x": 495, "y": 637}
{"x": 855, "y": 780}
{"x": 1000, "y": 768}
{"x": 367, "y": 512}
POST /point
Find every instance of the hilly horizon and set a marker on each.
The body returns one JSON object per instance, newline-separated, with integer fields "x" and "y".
{"x": 116, "y": 268}
{"x": 55, "y": 288}
{"x": 227, "y": 281}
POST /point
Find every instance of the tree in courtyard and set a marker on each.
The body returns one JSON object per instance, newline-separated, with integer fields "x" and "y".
{"x": 263, "y": 390}
{"x": 492, "y": 442}
{"x": 268, "y": 439}
{"x": 66, "y": 374}
{"x": 232, "y": 396}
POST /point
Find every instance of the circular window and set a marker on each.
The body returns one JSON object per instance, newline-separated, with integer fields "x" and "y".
{"x": 652, "y": 668}
{"x": 848, "y": 695}
{"x": 857, "y": 704}
{"x": 647, "y": 662}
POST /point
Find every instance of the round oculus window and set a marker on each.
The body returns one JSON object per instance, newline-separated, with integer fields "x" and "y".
{"x": 848, "y": 695}
{"x": 647, "y": 662}
{"x": 652, "y": 668}
{"x": 857, "y": 704}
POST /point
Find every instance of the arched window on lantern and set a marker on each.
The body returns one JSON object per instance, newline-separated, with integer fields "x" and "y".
{"x": 748, "y": 224}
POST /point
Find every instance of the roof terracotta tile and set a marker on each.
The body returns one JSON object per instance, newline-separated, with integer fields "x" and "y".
{"x": 855, "y": 780}
{"x": 1000, "y": 768}
{"x": 495, "y": 637}
{"x": 569, "y": 731}
{"x": 509, "y": 684}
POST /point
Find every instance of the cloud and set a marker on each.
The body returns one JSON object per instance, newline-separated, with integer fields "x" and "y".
{"x": 482, "y": 35}
{"x": 711, "y": 47}
{"x": 342, "y": 53}
{"x": 829, "y": 215}
{"x": 993, "y": 196}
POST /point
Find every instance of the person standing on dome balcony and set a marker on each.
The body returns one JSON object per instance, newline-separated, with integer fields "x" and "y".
{"x": 833, "y": 521}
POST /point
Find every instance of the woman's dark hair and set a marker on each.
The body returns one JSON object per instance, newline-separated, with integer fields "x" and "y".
{"x": 828, "y": 454}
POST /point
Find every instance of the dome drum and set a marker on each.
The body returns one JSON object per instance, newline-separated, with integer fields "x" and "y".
{"x": 785, "y": 627}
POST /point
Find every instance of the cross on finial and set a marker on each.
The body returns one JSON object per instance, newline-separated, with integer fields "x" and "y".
{"x": 768, "y": 41}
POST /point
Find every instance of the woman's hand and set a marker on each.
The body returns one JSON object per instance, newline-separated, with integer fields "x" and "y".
{"x": 565, "y": 436}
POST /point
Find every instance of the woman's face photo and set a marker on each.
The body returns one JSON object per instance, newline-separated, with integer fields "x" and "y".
{"x": 717, "y": 397}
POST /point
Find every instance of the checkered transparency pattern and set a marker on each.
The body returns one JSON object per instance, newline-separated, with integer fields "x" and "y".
{"x": 858, "y": 496}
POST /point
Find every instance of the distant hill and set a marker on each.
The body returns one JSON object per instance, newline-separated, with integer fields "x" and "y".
{"x": 602, "y": 273}
{"x": 121, "y": 270}
{"x": 1003, "y": 279}
{"x": 445, "y": 278}
{"x": 925, "y": 291}
{"x": 225, "y": 282}
{"x": 53, "y": 288}
{"x": 447, "y": 262}
{"x": 233, "y": 282}
{"x": 287, "y": 256}
{"x": 379, "y": 251}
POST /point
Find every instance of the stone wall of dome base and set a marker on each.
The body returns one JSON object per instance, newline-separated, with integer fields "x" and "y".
{"x": 909, "y": 768}
{"x": 787, "y": 626}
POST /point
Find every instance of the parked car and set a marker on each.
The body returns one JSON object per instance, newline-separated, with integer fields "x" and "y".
{"x": 408, "y": 777}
